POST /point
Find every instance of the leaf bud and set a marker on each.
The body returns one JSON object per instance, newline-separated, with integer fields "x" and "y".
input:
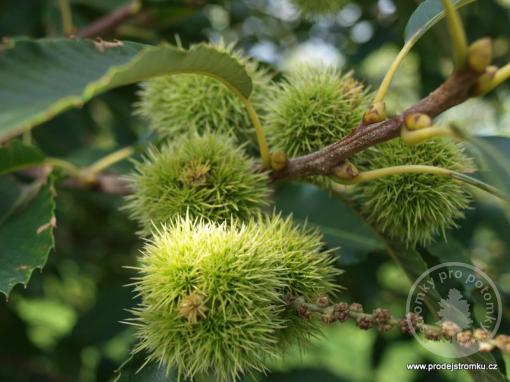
{"x": 345, "y": 171}
{"x": 376, "y": 113}
{"x": 417, "y": 121}
{"x": 278, "y": 160}
{"x": 480, "y": 55}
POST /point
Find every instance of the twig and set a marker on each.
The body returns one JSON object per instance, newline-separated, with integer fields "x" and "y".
{"x": 412, "y": 323}
{"x": 105, "y": 183}
{"x": 89, "y": 177}
{"x": 111, "y": 20}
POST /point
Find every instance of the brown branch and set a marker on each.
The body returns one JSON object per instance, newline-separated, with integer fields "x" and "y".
{"x": 120, "y": 15}
{"x": 105, "y": 183}
{"x": 111, "y": 20}
{"x": 452, "y": 92}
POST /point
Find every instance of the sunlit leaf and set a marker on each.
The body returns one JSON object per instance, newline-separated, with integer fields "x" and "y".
{"x": 426, "y": 15}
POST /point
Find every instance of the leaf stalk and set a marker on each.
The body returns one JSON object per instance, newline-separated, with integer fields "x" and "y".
{"x": 502, "y": 75}
{"x": 110, "y": 160}
{"x": 67, "y": 17}
{"x": 259, "y": 130}
{"x": 457, "y": 34}
{"x": 418, "y": 136}
{"x": 421, "y": 169}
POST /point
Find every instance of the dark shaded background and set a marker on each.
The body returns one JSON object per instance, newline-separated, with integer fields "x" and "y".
{"x": 65, "y": 325}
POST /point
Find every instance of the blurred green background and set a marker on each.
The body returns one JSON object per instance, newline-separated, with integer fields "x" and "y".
{"x": 65, "y": 326}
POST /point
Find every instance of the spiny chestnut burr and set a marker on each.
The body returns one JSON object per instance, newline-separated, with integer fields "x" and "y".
{"x": 312, "y": 108}
{"x": 205, "y": 176}
{"x": 414, "y": 208}
{"x": 235, "y": 277}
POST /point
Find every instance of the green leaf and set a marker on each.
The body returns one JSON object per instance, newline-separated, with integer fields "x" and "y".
{"x": 413, "y": 265}
{"x": 493, "y": 162}
{"x": 341, "y": 225}
{"x": 341, "y": 353}
{"x": 506, "y": 358}
{"x": 41, "y": 78}
{"x": 26, "y": 236}
{"x": 15, "y": 156}
{"x": 104, "y": 320}
{"x": 451, "y": 250}
{"x": 134, "y": 370}
{"x": 428, "y": 14}
{"x": 9, "y": 191}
